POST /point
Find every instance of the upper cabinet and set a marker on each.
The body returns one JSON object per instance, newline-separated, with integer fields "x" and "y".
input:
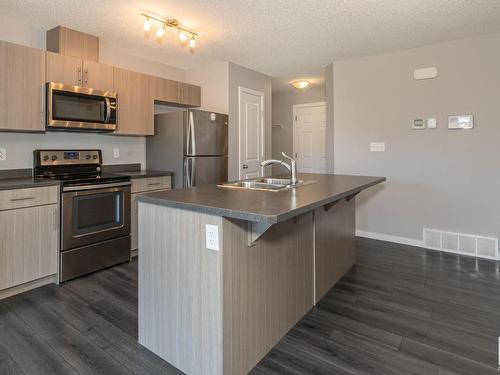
{"x": 22, "y": 88}
{"x": 73, "y": 43}
{"x": 175, "y": 92}
{"x": 77, "y": 72}
{"x": 135, "y": 102}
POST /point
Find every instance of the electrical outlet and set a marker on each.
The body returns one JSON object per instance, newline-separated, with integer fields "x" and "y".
{"x": 212, "y": 237}
{"x": 116, "y": 152}
{"x": 3, "y": 154}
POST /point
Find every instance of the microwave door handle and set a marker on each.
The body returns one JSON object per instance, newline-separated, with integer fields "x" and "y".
{"x": 108, "y": 110}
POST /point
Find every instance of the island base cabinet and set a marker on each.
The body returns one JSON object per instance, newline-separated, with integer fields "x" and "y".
{"x": 28, "y": 244}
{"x": 335, "y": 252}
{"x": 267, "y": 287}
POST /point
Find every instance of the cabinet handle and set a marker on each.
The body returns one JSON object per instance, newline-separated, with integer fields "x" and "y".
{"x": 79, "y": 76}
{"x": 154, "y": 184}
{"x": 86, "y": 77}
{"x": 21, "y": 199}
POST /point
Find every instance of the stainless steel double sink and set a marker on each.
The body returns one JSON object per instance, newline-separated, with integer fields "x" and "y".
{"x": 264, "y": 184}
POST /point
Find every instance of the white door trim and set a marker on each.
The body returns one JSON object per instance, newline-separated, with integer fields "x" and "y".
{"x": 241, "y": 90}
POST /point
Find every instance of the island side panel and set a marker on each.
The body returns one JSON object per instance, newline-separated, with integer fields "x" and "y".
{"x": 180, "y": 289}
{"x": 267, "y": 287}
{"x": 335, "y": 249}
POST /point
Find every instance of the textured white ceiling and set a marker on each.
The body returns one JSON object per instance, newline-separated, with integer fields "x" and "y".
{"x": 285, "y": 39}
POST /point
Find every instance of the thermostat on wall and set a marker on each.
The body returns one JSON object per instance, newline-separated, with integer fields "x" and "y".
{"x": 460, "y": 122}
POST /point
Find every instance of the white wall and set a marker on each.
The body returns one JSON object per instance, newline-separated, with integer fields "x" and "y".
{"x": 436, "y": 178}
{"x": 283, "y": 102}
{"x": 20, "y": 146}
{"x": 214, "y": 79}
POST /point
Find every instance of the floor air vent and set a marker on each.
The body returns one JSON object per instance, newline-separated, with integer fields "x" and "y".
{"x": 468, "y": 244}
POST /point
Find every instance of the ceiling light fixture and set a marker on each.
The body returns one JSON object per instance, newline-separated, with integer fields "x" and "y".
{"x": 192, "y": 42}
{"x": 301, "y": 84}
{"x": 183, "y": 34}
{"x": 147, "y": 25}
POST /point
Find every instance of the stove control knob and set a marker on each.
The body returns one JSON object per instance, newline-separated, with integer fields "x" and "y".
{"x": 95, "y": 157}
{"x": 54, "y": 157}
{"x": 88, "y": 157}
{"x": 46, "y": 157}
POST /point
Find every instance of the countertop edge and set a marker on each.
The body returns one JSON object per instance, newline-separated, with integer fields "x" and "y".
{"x": 268, "y": 219}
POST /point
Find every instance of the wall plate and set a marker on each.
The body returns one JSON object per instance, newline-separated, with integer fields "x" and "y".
{"x": 418, "y": 124}
{"x": 460, "y": 122}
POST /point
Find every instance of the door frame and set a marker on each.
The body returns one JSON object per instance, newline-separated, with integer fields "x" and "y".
{"x": 246, "y": 90}
{"x": 294, "y": 114}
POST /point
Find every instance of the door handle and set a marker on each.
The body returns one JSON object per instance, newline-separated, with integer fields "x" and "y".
{"x": 245, "y": 166}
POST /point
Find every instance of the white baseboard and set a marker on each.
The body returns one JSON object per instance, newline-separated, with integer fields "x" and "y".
{"x": 390, "y": 238}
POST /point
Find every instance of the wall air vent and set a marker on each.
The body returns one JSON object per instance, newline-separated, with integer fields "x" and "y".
{"x": 460, "y": 243}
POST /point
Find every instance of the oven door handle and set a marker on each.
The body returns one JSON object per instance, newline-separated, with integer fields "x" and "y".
{"x": 108, "y": 110}
{"x": 96, "y": 186}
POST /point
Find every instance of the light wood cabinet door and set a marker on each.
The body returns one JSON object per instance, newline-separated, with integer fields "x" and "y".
{"x": 166, "y": 90}
{"x": 193, "y": 98}
{"x": 22, "y": 88}
{"x": 64, "y": 69}
{"x": 97, "y": 76}
{"x": 28, "y": 244}
{"x": 135, "y": 93}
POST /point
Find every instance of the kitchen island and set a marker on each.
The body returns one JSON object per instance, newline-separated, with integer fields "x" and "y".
{"x": 275, "y": 254}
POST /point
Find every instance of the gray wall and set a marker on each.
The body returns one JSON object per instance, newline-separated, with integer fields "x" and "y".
{"x": 436, "y": 178}
{"x": 283, "y": 115}
{"x": 241, "y": 76}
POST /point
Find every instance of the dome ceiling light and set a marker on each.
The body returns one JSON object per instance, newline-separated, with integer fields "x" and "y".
{"x": 300, "y": 84}
{"x": 184, "y": 33}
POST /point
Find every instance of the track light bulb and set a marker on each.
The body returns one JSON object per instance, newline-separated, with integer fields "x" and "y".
{"x": 192, "y": 42}
{"x": 161, "y": 31}
{"x": 182, "y": 36}
{"x": 147, "y": 25}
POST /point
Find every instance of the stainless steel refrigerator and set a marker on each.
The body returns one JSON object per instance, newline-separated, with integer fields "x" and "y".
{"x": 193, "y": 144}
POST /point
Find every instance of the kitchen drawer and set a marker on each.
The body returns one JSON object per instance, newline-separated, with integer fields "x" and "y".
{"x": 141, "y": 185}
{"x": 19, "y": 198}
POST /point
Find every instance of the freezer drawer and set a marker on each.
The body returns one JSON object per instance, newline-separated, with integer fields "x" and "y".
{"x": 203, "y": 170}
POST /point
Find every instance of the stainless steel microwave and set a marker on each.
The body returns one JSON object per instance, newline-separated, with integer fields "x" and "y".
{"x": 80, "y": 108}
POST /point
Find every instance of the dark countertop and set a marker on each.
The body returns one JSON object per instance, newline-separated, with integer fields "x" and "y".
{"x": 25, "y": 183}
{"x": 262, "y": 206}
{"x": 134, "y": 171}
{"x": 145, "y": 173}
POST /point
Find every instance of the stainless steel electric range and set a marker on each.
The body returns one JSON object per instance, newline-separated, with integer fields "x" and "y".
{"x": 95, "y": 210}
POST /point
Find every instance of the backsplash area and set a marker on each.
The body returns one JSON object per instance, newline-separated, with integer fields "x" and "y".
{"x": 19, "y": 147}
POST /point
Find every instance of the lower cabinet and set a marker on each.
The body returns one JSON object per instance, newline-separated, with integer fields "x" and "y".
{"x": 28, "y": 244}
{"x": 142, "y": 186}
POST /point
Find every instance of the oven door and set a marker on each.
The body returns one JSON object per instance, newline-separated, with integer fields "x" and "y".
{"x": 80, "y": 108}
{"x": 95, "y": 213}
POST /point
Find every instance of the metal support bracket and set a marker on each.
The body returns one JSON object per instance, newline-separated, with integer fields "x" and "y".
{"x": 349, "y": 197}
{"x": 327, "y": 206}
{"x": 256, "y": 230}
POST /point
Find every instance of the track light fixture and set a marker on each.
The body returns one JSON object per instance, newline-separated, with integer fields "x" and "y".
{"x": 183, "y": 33}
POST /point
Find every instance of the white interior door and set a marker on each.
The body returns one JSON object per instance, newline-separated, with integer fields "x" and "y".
{"x": 309, "y": 137}
{"x": 251, "y": 130}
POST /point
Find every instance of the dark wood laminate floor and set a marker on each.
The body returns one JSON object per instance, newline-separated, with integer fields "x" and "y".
{"x": 401, "y": 310}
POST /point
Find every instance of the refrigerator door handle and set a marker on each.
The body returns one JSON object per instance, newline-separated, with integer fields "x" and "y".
{"x": 190, "y": 172}
{"x": 193, "y": 136}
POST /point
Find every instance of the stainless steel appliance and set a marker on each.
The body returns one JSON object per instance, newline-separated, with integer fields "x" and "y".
{"x": 95, "y": 210}
{"x": 80, "y": 108}
{"x": 193, "y": 144}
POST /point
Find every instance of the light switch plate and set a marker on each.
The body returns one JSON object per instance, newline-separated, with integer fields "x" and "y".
{"x": 116, "y": 152}
{"x": 212, "y": 237}
{"x": 461, "y": 122}
{"x": 431, "y": 123}
{"x": 3, "y": 154}
{"x": 377, "y": 146}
